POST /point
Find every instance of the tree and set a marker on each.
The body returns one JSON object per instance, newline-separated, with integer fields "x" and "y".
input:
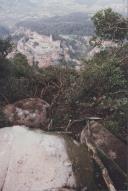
{"x": 5, "y": 47}
{"x": 21, "y": 67}
{"x": 110, "y": 25}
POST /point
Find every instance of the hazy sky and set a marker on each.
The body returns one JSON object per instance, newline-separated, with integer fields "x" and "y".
{"x": 89, "y": 5}
{"x": 98, "y": 4}
{"x": 13, "y": 10}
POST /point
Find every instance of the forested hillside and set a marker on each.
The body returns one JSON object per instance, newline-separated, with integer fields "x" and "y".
{"x": 73, "y": 24}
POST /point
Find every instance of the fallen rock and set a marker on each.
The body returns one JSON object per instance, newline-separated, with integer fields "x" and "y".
{"x": 37, "y": 161}
{"x": 31, "y": 112}
{"x": 110, "y": 150}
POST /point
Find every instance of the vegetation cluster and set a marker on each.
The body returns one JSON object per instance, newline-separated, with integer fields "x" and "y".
{"x": 99, "y": 89}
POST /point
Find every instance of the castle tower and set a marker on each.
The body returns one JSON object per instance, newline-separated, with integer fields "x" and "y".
{"x": 51, "y": 38}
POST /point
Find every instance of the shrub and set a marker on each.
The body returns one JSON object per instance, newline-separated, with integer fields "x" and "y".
{"x": 6, "y": 69}
{"x": 20, "y": 65}
{"x": 103, "y": 75}
{"x": 110, "y": 25}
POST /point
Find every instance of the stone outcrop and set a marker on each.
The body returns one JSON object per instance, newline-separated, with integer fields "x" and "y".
{"x": 31, "y": 112}
{"x": 33, "y": 160}
{"x": 111, "y": 151}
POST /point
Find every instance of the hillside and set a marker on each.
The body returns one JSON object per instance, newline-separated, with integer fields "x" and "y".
{"x": 4, "y": 32}
{"x": 75, "y": 24}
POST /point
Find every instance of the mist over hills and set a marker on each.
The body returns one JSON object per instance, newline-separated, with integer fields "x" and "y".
{"x": 4, "y": 31}
{"x": 13, "y": 11}
{"x": 74, "y": 23}
{"x": 52, "y": 16}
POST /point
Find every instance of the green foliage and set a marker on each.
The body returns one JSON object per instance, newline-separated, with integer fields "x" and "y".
{"x": 118, "y": 121}
{"x": 113, "y": 126}
{"x": 103, "y": 76}
{"x": 21, "y": 66}
{"x": 93, "y": 91}
{"x": 17, "y": 67}
{"x": 5, "y": 68}
{"x": 3, "y": 120}
{"x": 5, "y": 47}
{"x": 110, "y": 25}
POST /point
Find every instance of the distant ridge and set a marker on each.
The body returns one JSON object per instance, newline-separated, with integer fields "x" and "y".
{"x": 4, "y": 31}
{"x": 74, "y": 23}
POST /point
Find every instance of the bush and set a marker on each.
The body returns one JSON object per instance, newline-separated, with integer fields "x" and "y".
{"x": 110, "y": 25}
{"x": 103, "y": 75}
{"x": 20, "y": 65}
{"x": 6, "y": 69}
{"x": 118, "y": 121}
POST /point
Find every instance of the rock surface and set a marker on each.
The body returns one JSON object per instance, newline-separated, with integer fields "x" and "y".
{"x": 37, "y": 161}
{"x": 31, "y": 112}
{"x": 107, "y": 142}
{"x": 111, "y": 151}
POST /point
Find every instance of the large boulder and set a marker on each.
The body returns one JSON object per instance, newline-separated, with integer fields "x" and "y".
{"x": 31, "y": 112}
{"x": 32, "y": 160}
